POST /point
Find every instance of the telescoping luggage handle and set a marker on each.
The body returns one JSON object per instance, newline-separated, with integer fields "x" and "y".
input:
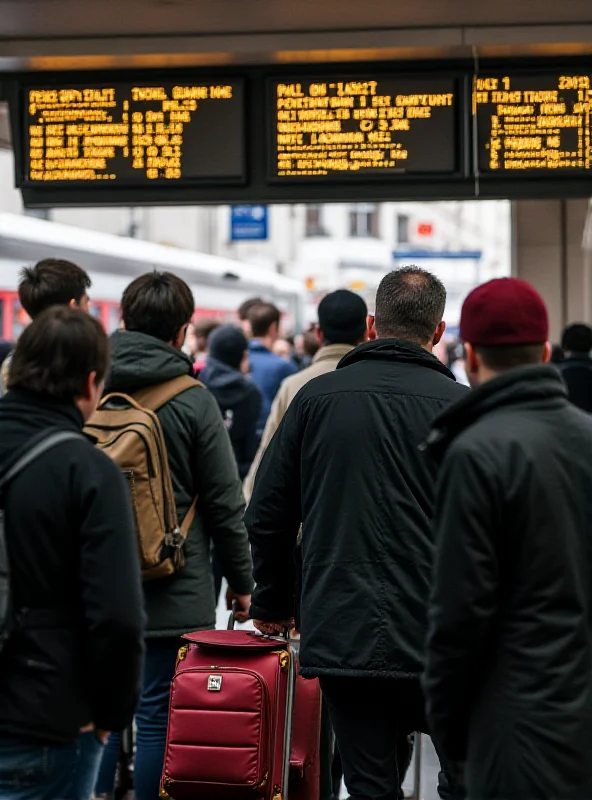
{"x": 289, "y": 724}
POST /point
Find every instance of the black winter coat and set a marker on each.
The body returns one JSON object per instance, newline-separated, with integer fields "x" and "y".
{"x": 201, "y": 462}
{"x": 576, "y": 371}
{"x": 240, "y": 403}
{"x": 74, "y": 562}
{"x": 345, "y": 462}
{"x": 509, "y": 666}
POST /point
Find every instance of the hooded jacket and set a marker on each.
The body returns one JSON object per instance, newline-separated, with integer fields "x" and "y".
{"x": 240, "y": 403}
{"x": 201, "y": 463}
{"x": 345, "y": 462}
{"x": 75, "y": 655}
{"x": 509, "y": 665}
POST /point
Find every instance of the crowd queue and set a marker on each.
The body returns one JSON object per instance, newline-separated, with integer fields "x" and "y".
{"x": 431, "y": 542}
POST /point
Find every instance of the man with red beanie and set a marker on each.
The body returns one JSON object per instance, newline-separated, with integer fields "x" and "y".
{"x": 509, "y": 667}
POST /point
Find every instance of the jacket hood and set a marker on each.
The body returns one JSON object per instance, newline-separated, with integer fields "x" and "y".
{"x": 536, "y": 387}
{"x": 395, "y": 350}
{"x": 139, "y": 360}
{"x": 229, "y": 385}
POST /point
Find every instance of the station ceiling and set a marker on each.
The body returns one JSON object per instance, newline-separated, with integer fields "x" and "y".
{"x": 64, "y": 34}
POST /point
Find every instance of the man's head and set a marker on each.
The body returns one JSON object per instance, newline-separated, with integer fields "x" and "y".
{"x": 64, "y": 355}
{"x": 577, "y": 338}
{"x": 229, "y": 345}
{"x": 342, "y": 318}
{"x": 158, "y": 304}
{"x": 53, "y": 282}
{"x": 265, "y": 321}
{"x": 410, "y": 305}
{"x": 243, "y": 314}
{"x": 202, "y": 328}
{"x": 504, "y": 324}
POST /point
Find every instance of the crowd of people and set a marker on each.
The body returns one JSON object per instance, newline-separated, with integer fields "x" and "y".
{"x": 429, "y": 541}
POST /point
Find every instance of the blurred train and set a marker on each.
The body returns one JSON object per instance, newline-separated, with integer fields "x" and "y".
{"x": 219, "y": 285}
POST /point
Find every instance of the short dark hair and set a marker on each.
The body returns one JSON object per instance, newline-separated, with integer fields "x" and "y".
{"x": 158, "y": 304}
{"x": 262, "y": 316}
{"x": 244, "y": 308}
{"x": 311, "y": 343}
{"x": 577, "y": 338}
{"x": 410, "y": 304}
{"x": 205, "y": 326}
{"x": 501, "y": 358}
{"x": 57, "y": 352}
{"x": 51, "y": 282}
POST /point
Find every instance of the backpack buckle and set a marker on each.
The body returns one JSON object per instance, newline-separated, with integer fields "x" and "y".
{"x": 174, "y": 538}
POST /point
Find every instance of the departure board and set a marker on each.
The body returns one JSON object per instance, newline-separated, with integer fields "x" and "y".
{"x": 134, "y": 134}
{"x": 528, "y": 123}
{"x": 385, "y": 126}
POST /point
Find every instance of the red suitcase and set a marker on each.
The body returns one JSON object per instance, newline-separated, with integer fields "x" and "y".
{"x": 305, "y": 761}
{"x": 230, "y": 718}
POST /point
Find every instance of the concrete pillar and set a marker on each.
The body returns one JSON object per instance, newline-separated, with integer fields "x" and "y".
{"x": 547, "y": 252}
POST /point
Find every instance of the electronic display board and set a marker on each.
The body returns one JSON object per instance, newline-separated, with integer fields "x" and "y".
{"x": 134, "y": 133}
{"x": 368, "y": 126}
{"x": 533, "y": 122}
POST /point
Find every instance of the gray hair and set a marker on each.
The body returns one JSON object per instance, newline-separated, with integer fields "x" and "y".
{"x": 410, "y": 304}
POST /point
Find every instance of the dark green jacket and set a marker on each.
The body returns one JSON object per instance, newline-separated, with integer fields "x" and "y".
{"x": 201, "y": 462}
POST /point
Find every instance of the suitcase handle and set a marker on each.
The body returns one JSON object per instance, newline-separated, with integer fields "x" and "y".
{"x": 232, "y": 623}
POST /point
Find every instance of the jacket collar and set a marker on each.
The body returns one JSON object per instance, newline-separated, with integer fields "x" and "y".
{"x": 534, "y": 387}
{"x": 43, "y": 407}
{"x": 330, "y": 352}
{"x": 396, "y": 350}
{"x": 258, "y": 347}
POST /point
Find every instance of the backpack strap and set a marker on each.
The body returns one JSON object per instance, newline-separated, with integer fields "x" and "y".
{"x": 33, "y": 452}
{"x": 155, "y": 397}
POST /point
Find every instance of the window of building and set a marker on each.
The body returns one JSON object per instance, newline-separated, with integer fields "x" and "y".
{"x": 314, "y": 220}
{"x": 363, "y": 220}
{"x": 402, "y": 229}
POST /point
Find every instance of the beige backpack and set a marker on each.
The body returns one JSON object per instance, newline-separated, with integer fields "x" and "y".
{"x": 127, "y": 429}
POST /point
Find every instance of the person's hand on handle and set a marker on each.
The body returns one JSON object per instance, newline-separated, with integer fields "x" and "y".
{"x": 239, "y": 603}
{"x": 273, "y": 628}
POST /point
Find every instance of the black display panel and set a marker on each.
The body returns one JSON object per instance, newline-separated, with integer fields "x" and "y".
{"x": 533, "y": 123}
{"x": 134, "y": 133}
{"x": 337, "y": 127}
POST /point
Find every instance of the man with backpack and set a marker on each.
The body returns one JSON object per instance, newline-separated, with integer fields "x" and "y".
{"x": 201, "y": 493}
{"x": 51, "y": 282}
{"x": 71, "y": 617}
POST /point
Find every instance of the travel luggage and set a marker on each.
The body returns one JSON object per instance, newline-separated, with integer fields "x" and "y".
{"x": 230, "y": 721}
{"x": 128, "y": 430}
{"x": 305, "y": 759}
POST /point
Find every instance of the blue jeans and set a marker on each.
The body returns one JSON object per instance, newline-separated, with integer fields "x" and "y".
{"x": 151, "y": 724}
{"x": 55, "y": 772}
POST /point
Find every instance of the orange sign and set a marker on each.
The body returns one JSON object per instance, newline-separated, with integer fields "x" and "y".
{"x": 425, "y": 228}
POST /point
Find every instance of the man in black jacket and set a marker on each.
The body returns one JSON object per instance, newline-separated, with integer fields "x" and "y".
{"x": 576, "y": 367}
{"x": 70, "y": 670}
{"x": 156, "y": 310}
{"x": 509, "y": 667}
{"x": 345, "y": 463}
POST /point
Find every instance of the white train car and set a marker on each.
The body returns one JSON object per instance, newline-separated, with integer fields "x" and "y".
{"x": 219, "y": 285}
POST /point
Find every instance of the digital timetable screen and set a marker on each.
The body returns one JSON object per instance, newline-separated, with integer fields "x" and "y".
{"x": 385, "y": 126}
{"x": 529, "y": 123}
{"x": 134, "y": 133}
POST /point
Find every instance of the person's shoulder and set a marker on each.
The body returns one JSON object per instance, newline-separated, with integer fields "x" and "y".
{"x": 282, "y": 365}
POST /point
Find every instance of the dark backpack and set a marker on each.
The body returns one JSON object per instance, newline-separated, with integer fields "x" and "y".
{"x": 27, "y": 455}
